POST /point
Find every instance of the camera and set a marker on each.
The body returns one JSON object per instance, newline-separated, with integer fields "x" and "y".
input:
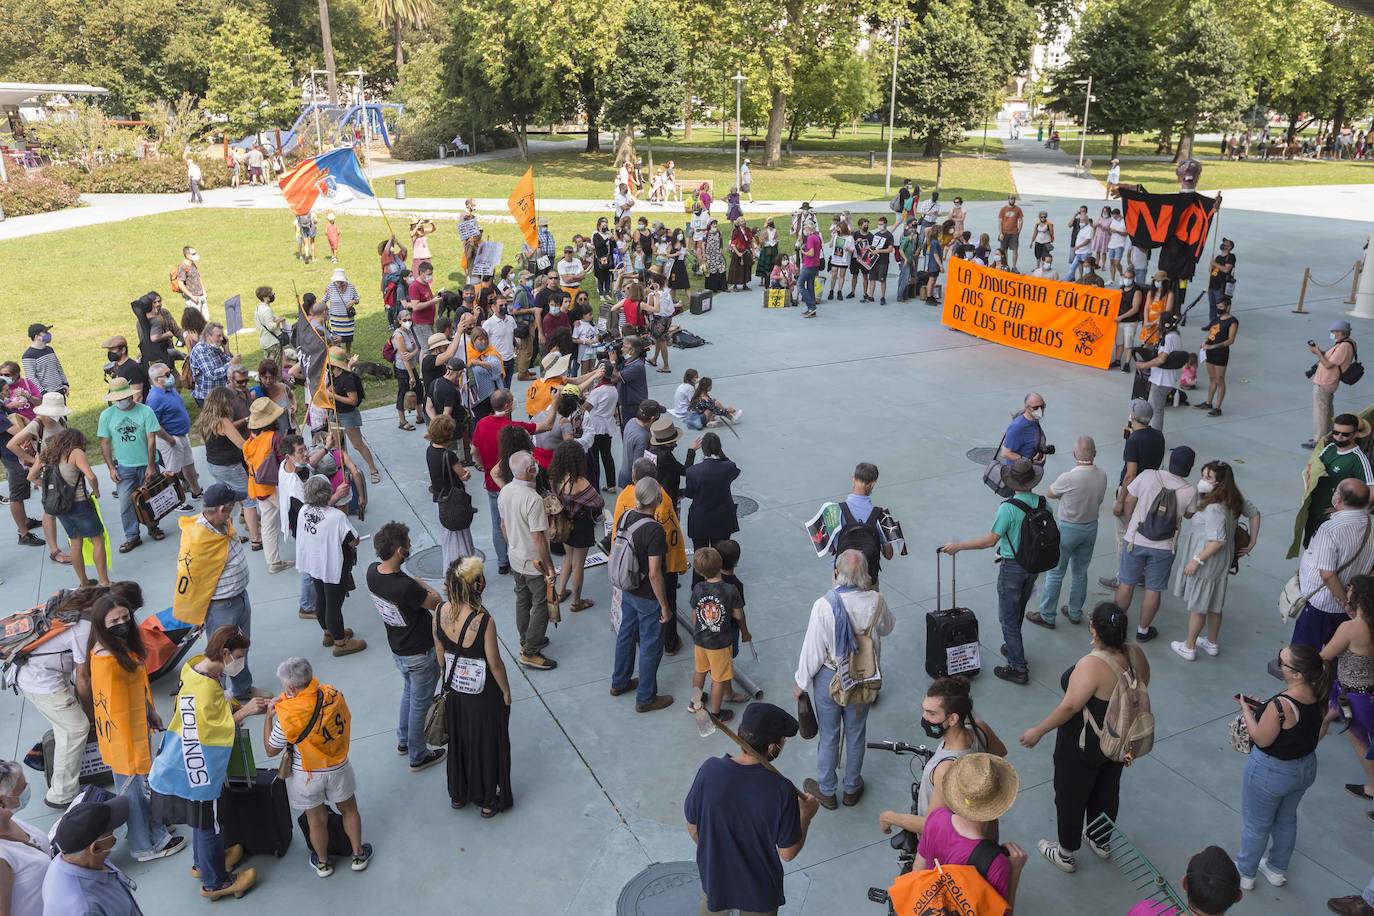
{"x": 1047, "y": 450}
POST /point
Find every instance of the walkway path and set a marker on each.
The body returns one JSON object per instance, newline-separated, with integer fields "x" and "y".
{"x": 1040, "y": 172}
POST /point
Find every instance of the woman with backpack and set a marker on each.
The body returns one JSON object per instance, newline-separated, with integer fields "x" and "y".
{"x": 66, "y": 451}
{"x": 1208, "y": 540}
{"x": 1087, "y": 783}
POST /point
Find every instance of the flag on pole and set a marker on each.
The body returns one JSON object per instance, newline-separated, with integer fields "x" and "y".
{"x": 521, "y": 206}
{"x": 329, "y": 175}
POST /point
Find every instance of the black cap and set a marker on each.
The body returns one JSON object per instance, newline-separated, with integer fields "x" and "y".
{"x": 218, "y": 494}
{"x": 35, "y": 329}
{"x": 765, "y": 722}
{"x": 89, "y": 821}
{"x": 455, "y": 364}
{"x": 1181, "y": 461}
{"x": 649, "y": 409}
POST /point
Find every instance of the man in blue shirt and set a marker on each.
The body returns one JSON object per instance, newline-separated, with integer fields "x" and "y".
{"x": 80, "y": 881}
{"x": 1024, "y": 437}
{"x": 174, "y": 440}
{"x": 127, "y": 433}
{"x": 1015, "y": 583}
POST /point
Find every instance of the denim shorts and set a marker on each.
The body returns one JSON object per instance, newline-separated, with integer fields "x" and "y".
{"x": 1147, "y": 566}
{"x": 1114, "y": 254}
{"x": 351, "y": 420}
{"x": 234, "y": 476}
{"x": 82, "y": 521}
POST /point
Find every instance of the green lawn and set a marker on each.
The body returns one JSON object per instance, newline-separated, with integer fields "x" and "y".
{"x": 862, "y": 139}
{"x": 1099, "y": 146}
{"x": 1252, "y": 173}
{"x": 579, "y": 175}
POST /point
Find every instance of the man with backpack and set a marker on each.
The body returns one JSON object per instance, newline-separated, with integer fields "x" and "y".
{"x": 839, "y": 666}
{"x": 1334, "y": 365}
{"x": 860, "y": 528}
{"x": 1156, "y": 504}
{"x": 635, "y": 568}
{"x": 1027, "y": 541}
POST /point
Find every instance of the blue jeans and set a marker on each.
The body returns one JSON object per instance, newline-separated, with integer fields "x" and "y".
{"x": 807, "y": 281}
{"x": 130, "y": 479}
{"x": 638, "y": 623}
{"x": 1269, "y": 796}
{"x": 498, "y": 539}
{"x": 143, "y": 835}
{"x": 1014, "y": 588}
{"x": 207, "y": 846}
{"x": 233, "y": 612}
{"x": 307, "y": 593}
{"x": 1077, "y": 259}
{"x": 419, "y": 674}
{"x": 831, "y": 718}
{"x": 1076, "y": 541}
{"x": 903, "y": 278}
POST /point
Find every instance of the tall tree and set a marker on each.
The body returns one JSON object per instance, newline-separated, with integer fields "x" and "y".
{"x": 1203, "y": 74}
{"x": 579, "y": 40}
{"x": 250, "y": 84}
{"x": 834, "y": 88}
{"x": 935, "y": 101}
{"x": 327, "y": 39}
{"x": 644, "y": 88}
{"x": 397, "y": 14}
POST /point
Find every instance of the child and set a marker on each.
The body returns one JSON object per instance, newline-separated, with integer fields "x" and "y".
{"x": 1188, "y": 378}
{"x": 729, "y": 559}
{"x": 331, "y": 234}
{"x": 704, "y": 410}
{"x": 717, "y": 610}
{"x": 585, "y": 336}
{"x": 682, "y": 398}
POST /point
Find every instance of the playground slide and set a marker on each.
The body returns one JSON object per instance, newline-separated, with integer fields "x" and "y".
{"x": 334, "y": 121}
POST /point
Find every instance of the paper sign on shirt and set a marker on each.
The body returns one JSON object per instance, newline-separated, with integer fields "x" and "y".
{"x": 469, "y": 229}
{"x": 470, "y": 675}
{"x": 390, "y": 613}
{"x": 233, "y": 315}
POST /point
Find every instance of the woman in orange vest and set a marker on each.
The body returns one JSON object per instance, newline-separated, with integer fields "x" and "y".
{"x": 123, "y": 714}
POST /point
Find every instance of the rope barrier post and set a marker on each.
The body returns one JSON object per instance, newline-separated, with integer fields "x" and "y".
{"x": 1355, "y": 282}
{"x": 1302, "y": 291}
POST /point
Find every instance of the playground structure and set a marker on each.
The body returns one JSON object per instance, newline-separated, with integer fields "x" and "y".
{"x": 336, "y": 125}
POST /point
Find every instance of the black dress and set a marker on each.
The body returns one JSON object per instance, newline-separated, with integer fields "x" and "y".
{"x": 479, "y": 732}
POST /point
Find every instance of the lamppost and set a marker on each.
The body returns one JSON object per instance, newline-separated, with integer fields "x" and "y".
{"x": 892, "y": 107}
{"x": 315, "y": 101}
{"x": 1087, "y": 100}
{"x": 739, "y": 85}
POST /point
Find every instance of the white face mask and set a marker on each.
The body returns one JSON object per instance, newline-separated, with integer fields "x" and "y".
{"x": 169, "y": 381}
{"x": 1038, "y": 412}
{"x": 195, "y": 258}
{"x": 124, "y": 403}
{"x": 1047, "y": 265}
{"x": 555, "y": 309}
{"x": 1205, "y": 486}
{"x": 1333, "y": 338}
{"x": 235, "y": 667}
{"x": 407, "y": 324}
{"x": 22, "y": 798}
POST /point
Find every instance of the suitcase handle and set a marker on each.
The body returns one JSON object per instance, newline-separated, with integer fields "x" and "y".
{"x": 953, "y": 580}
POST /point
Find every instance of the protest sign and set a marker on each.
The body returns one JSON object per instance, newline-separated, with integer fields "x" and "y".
{"x": 1176, "y": 224}
{"x": 488, "y": 256}
{"x": 469, "y": 229}
{"x": 823, "y": 527}
{"x": 233, "y": 315}
{"x": 1062, "y": 320}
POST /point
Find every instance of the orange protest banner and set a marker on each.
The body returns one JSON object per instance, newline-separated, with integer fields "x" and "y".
{"x": 521, "y": 204}
{"x": 1063, "y": 320}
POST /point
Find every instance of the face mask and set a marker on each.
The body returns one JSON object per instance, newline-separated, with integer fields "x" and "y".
{"x": 1126, "y": 282}
{"x": 22, "y": 798}
{"x": 407, "y": 324}
{"x": 195, "y": 259}
{"x": 7, "y": 379}
{"x": 555, "y": 309}
{"x": 124, "y": 403}
{"x": 235, "y": 667}
{"x": 1047, "y": 265}
{"x": 1038, "y": 412}
{"x": 169, "y": 381}
{"x": 933, "y": 729}
{"x": 112, "y": 355}
{"x": 1333, "y": 338}
{"x": 46, "y": 338}
{"x": 1205, "y": 486}
{"x": 120, "y": 630}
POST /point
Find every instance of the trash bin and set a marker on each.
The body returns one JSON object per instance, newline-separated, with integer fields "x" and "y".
{"x": 400, "y": 189}
{"x": 443, "y": 149}
{"x": 872, "y": 159}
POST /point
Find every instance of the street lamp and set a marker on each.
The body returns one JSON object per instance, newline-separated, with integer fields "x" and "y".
{"x": 739, "y": 85}
{"x": 1087, "y": 100}
{"x": 892, "y": 107}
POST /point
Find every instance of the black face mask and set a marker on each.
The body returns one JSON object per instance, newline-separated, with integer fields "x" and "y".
{"x": 933, "y": 729}
{"x": 120, "y": 630}
{"x": 303, "y": 473}
{"x": 113, "y": 355}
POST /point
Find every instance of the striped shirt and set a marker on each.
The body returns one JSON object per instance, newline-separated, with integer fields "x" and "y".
{"x": 42, "y": 365}
{"x": 339, "y": 301}
{"x": 233, "y": 579}
{"x": 1344, "y": 545}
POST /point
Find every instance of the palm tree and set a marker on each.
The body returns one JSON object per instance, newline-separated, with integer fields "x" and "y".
{"x": 395, "y": 14}
{"x": 328, "y": 40}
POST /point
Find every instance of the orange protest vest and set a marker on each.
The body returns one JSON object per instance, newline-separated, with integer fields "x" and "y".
{"x": 675, "y": 561}
{"x": 257, "y": 449}
{"x": 120, "y": 701}
{"x": 540, "y": 395}
{"x": 953, "y": 890}
{"x": 326, "y": 745}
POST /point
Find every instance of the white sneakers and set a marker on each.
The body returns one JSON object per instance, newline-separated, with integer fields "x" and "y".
{"x": 1206, "y": 645}
{"x": 1181, "y": 648}
{"x": 1057, "y": 857}
{"x": 1276, "y": 878}
{"x": 1101, "y": 850}
{"x": 1203, "y": 643}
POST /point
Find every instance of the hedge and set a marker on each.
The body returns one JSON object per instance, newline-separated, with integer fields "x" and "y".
{"x": 37, "y": 193}
{"x": 163, "y": 175}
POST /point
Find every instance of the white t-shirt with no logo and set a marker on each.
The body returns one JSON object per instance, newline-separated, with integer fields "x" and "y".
{"x": 29, "y": 866}
{"x": 1145, "y": 488}
{"x": 49, "y": 667}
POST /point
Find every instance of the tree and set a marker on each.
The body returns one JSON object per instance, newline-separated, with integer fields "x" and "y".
{"x": 179, "y": 124}
{"x": 579, "y": 42}
{"x": 935, "y": 101}
{"x": 396, "y": 14}
{"x": 645, "y": 86}
{"x": 1203, "y": 77}
{"x": 85, "y": 130}
{"x": 834, "y": 88}
{"x": 1114, "y": 46}
{"x": 250, "y": 84}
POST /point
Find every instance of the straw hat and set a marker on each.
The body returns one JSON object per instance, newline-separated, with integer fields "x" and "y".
{"x": 437, "y": 339}
{"x": 54, "y": 405}
{"x": 263, "y": 413}
{"x": 664, "y": 432}
{"x": 555, "y": 364}
{"x": 338, "y": 356}
{"x": 572, "y": 389}
{"x": 119, "y": 389}
{"x": 980, "y": 787}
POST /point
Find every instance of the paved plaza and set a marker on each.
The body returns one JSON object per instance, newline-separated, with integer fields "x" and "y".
{"x": 598, "y": 788}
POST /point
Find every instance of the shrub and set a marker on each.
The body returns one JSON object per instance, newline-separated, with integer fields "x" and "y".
{"x": 163, "y": 175}
{"x": 39, "y": 193}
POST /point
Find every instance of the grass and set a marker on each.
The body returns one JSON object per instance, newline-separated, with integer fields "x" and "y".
{"x": 1099, "y": 146}
{"x": 580, "y": 175}
{"x": 1251, "y": 173}
{"x": 861, "y": 139}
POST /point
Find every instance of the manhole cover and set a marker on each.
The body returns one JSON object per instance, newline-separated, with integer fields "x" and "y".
{"x": 982, "y": 455}
{"x": 746, "y": 506}
{"x": 429, "y": 563}
{"x": 662, "y": 889}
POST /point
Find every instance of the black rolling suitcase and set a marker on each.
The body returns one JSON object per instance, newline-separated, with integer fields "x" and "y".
{"x": 256, "y": 815}
{"x": 340, "y": 846}
{"x": 951, "y": 633}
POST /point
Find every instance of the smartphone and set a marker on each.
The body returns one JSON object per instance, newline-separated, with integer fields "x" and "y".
{"x": 1311, "y": 343}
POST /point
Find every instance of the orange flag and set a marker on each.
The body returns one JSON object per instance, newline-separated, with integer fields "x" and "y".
{"x": 521, "y": 204}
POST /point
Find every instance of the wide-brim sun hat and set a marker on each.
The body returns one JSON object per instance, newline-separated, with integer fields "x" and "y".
{"x": 264, "y": 413}
{"x": 54, "y": 405}
{"x": 980, "y": 787}
{"x": 119, "y": 390}
{"x": 555, "y": 364}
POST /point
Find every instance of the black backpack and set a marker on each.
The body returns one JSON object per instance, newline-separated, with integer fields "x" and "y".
{"x": 1355, "y": 371}
{"x": 1038, "y": 550}
{"x": 59, "y": 497}
{"x": 861, "y": 536}
{"x": 1161, "y": 522}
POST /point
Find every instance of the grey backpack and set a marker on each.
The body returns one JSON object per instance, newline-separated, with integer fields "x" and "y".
{"x": 623, "y": 565}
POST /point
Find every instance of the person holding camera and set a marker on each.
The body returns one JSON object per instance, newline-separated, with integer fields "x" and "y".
{"x": 1223, "y": 275}
{"x": 1326, "y": 376}
{"x": 1024, "y": 438}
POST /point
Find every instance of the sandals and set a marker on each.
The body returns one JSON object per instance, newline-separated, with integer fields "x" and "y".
{"x": 58, "y": 556}
{"x": 255, "y": 545}
{"x": 489, "y": 812}
{"x": 564, "y": 595}
{"x": 581, "y": 604}
{"x": 376, "y": 477}
{"x": 405, "y": 426}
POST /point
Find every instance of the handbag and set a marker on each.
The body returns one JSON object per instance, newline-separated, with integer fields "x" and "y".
{"x": 1292, "y": 600}
{"x": 1241, "y": 741}
{"x": 436, "y": 717}
{"x": 284, "y": 768}
{"x": 560, "y": 522}
{"x": 455, "y": 505}
{"x": 992, "y": 474}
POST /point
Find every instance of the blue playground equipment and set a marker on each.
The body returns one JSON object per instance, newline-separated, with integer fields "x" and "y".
{"x": 337, "y": 123}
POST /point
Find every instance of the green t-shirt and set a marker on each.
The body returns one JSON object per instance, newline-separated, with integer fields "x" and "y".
{"x": 1007, "y": 525}
{"x": 128, "y": 432}
{"x": 1338, "y": 467}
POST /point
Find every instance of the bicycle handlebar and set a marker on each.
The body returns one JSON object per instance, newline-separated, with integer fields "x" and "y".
{"x": 896, "y": 747}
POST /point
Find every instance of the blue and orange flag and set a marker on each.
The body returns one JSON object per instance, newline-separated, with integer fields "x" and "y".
{"x": 325, "y": 176}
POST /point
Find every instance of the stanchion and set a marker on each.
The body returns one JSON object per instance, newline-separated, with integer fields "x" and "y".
{"x": 1355, "y": 283}
{"x": 1302, "y": 291}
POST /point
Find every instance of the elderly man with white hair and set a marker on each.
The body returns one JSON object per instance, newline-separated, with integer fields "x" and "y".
{"x": 524, "y": 524}
{"x": 864, "y": 612}
{"x": 1080, "y": 491}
